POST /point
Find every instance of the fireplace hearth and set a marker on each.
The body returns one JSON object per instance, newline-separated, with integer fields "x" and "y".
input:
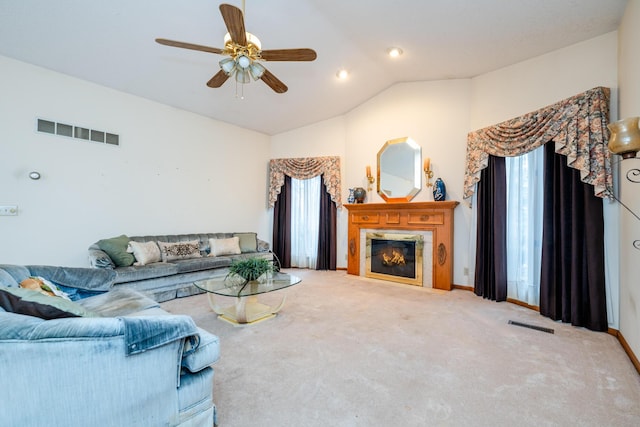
{"x": 394, "y": 256}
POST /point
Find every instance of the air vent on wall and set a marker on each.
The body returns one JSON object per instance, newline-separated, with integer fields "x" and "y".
{"x": 78, "y": 132}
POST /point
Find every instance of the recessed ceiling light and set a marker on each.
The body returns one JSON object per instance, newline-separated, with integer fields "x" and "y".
{"x": 394, "y": 52}
{"x": 342, "y": 74}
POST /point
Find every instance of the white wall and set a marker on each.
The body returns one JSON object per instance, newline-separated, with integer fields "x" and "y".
{"x": 434, "y": 114}
{"x": 174, "y": 171}
{"x": 629, "y": 78}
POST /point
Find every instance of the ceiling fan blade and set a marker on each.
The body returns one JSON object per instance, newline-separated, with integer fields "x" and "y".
{"x": 234, "y": 21}
{"x": 191, "y": 46}
{"x": 273, "y": 82}
{"x": 288, "y": 55}
{"x": 218, "y": 80}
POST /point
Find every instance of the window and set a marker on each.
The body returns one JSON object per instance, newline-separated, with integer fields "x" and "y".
{"x": 305, "y": 221}
{"x": 525, "y": 200}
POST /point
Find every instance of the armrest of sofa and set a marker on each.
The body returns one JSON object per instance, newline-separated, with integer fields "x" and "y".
{"x": 198, "y": 348}
{"x": 99, "y": 258}
{"x": 88, "y": 279}
{"x": 263, "y": 246}
{"x": 206, "y": 354}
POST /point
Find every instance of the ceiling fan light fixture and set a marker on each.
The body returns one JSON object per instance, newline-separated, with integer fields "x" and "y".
{"x": 242, "y": 76}
{"x": 394, "y": 52}
{"x": 256, "y": 70}
{"x": 243, "y": 62}
{"x": 228, "y": 65}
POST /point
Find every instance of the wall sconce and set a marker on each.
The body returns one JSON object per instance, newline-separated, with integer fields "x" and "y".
{"x": 625, "y": 141}
{"x": 625, "y": 137}
{"x": 428, "y": 173}
{"x": 370, "y": 178}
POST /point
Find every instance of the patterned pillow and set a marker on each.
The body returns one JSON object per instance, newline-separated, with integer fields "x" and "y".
{"x": 145, "y": 252}
{"x": 179, "y": 250}
{"x": 230, "y": 246}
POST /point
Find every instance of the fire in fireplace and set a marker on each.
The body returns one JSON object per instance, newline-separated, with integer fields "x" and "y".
{"x": 394, "y": 256}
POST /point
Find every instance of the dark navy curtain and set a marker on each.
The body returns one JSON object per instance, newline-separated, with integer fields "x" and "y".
{"x": 491, "y": 253}
{"x": 572, "y": 281}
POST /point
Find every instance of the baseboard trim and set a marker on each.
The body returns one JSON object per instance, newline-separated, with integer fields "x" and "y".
{"x": 462, "y": 287}
{"x": 524, "y": 304}
{"x": 627, "y": 348}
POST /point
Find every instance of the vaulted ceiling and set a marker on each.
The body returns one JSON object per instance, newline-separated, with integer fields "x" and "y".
{"x": 111, "y": 43}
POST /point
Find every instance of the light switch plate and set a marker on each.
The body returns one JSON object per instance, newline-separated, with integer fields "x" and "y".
{"x": 9, "y": 210}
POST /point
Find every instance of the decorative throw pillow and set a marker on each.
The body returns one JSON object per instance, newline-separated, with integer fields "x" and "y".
{"x": 230, "y": 246}
{"x": 33, "y": 303}
{"x": 248, "y": 242}
{"x": 179, "y": 250}
{"x": 116, "y": 248}
{"x": 145, "y": 252}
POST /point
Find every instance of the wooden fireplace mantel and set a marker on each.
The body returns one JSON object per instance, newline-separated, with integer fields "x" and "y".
{"x": 436, "y": 217}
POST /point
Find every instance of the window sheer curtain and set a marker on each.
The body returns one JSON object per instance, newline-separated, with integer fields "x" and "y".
{"x": 305, "y": 222}
{"x": 525, "y": 200}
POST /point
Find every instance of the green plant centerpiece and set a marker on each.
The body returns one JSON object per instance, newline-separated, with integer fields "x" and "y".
{"x": 248, "y": 270}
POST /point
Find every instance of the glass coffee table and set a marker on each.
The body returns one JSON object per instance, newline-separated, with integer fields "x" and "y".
{"x": 246, "y": 310}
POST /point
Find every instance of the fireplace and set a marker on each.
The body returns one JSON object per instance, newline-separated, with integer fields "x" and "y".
{"x": 432, "y": 220}
{"x": 394, "y": 256}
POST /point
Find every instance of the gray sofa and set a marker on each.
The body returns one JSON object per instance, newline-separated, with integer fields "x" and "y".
{"x": 108, "y": 357}
{"x": 173, "y": 278}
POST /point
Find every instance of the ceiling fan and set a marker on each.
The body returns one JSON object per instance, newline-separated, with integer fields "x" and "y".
{"x": 244, "y": 53}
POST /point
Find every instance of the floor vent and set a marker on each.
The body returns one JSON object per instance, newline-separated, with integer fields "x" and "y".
{"x": 537, "y": 328}
{"x": 77, "y": 132}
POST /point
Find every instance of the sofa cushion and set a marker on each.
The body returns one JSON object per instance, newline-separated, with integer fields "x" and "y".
{"x": 17, "y": 272}
{"x": 229, "y": 246}
{"x": 34, "y": 303}
{"x": 116, "y": 248}
{"x": 118, "y": 302}
{"x": 6, "y": 279}
{"x": 179, "y": 250}
{"x": 198, "y": 264}
{"x": 143, "y": 272}
{"x": 145, "y": 252}
{"x": 248, "y": 242}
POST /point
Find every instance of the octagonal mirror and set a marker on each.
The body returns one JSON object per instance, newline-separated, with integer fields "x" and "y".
{"x": 399, "y": 174}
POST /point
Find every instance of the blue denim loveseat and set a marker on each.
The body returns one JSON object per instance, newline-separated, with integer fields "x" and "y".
{"x": 125, "y": 362}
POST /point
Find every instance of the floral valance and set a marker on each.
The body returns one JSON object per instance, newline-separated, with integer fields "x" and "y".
{"x": 305, "y": 168}
{"x": 577, "y": 126}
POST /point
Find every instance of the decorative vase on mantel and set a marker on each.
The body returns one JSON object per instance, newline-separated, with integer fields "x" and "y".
{"x": 439, "y": 190}
{"x": 359, "y": 194}
{"x": 351, "y": 197}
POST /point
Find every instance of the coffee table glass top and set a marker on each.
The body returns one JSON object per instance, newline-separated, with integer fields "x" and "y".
{"x": 235, "y": 287}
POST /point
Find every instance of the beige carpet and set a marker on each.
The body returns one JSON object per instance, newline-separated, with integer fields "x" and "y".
{"x": 352, "y": 351}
